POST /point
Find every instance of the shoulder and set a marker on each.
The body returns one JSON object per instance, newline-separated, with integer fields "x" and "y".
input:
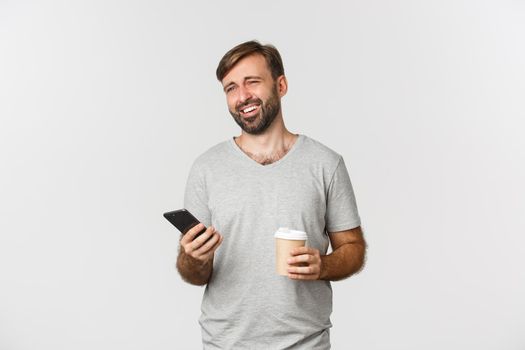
{"x": 319, "y": 151}
{"x": 212, "y": 156}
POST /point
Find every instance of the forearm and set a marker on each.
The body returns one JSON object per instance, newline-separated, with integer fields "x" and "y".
{"x": 192, "y": 270}
{"x": 343, "y": 262}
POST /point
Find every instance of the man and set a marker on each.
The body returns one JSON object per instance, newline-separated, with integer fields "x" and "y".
{"x": 243, "y": 190}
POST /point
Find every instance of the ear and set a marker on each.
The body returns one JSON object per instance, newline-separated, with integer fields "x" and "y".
{"x": 282, "y": 85}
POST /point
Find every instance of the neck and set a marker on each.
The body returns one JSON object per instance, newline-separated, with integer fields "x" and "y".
{"x": 269, "y": 146}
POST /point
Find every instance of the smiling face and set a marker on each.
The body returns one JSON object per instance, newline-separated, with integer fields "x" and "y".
{"x": 253, "y": 96}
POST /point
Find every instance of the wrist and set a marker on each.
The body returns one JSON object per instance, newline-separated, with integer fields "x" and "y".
{"x": 322, "y": 268}
{"x": 196, "y": 263}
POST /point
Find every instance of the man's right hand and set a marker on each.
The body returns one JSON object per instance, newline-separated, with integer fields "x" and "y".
{"x": 201, "y": 248}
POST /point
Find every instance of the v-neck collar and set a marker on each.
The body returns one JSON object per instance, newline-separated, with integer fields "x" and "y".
{"x": 240, "y": 152}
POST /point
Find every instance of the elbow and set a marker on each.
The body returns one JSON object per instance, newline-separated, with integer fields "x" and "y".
{"x": 361, "y": 257}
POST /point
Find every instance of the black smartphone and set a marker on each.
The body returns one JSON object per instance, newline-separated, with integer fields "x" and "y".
{"x": 183, "y": 220}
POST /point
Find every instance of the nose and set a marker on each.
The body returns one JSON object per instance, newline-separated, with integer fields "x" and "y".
{"x": 244, "y": 94}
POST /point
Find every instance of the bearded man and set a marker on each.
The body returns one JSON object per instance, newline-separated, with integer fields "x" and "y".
{"x": 243, "y": 190}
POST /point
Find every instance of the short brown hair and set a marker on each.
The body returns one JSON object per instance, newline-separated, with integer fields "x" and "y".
{"x": 269, "y": 52}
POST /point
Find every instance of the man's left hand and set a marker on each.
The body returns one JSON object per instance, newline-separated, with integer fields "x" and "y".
{"x": 304, "y": 264}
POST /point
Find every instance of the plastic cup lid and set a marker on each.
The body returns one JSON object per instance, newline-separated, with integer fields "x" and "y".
{"x": 286, "y": 233}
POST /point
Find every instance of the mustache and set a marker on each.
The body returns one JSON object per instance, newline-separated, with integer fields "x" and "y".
{"x": 253, "y": 100}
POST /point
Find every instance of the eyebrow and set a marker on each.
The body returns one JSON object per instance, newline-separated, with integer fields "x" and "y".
{"x": 245, "y": 78}
{"x": 252, "y": 77}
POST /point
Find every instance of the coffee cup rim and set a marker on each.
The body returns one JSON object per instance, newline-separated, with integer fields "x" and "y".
{"x": 286, "y": 233}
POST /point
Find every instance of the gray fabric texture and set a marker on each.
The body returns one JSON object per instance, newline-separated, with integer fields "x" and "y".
{"x": 246, "y": 305}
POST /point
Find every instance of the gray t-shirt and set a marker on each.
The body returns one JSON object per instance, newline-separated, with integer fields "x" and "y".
{"x": 246, "y": 305}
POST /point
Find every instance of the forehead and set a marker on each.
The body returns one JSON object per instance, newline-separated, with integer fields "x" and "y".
{"x": 253, "y": 65}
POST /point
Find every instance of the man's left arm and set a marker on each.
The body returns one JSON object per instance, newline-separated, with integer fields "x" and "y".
{"x": 347, "y": 258}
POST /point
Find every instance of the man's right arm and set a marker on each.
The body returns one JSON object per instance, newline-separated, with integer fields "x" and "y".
{"x": 195, "y": 260}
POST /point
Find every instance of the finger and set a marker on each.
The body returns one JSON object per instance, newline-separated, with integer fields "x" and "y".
{"x": 208, "y": 245}
{"x": 297, "y": 251}
{"x": 221, "y": 238}
{"x": 213, "y": 249}
{"x": 191, "y": 246}
{"x": 302, "y": 277}
{"x": 300, "y": 259}
{"x": 301, "y": 250}
{"x": 190, "y": 235}
{"x": 199, "y": 241}
{"x": 302, "y": 270}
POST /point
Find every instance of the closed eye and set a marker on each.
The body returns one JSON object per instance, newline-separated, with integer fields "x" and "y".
{"x": 229, "y": 88}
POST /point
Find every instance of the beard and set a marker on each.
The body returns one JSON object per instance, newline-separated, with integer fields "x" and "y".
{"x": 263, "y": 119}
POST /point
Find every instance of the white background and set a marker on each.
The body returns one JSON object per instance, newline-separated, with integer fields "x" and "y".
{"x": 104, "y": 105}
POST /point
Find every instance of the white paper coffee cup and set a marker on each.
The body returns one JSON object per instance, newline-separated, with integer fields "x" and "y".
{"x": 285, "y": 241}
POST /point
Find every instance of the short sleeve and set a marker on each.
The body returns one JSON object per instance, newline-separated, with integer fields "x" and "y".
{"x": 196, "y": 197}
{"x": 341, "y": 207}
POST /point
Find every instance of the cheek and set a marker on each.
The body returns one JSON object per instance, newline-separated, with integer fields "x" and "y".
{"x": 231, "y": 103}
